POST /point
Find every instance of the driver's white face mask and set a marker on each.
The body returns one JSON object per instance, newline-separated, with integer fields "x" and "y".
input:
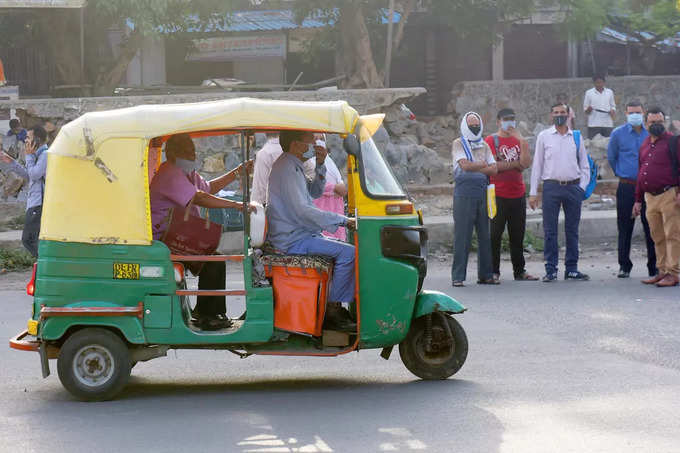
{"x": 187, "y": 166}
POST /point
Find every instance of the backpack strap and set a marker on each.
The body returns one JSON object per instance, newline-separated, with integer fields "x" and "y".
{"x": 496, "y": 142}
{"x": 577, "y": 141}
{"x": 673, "y": 151}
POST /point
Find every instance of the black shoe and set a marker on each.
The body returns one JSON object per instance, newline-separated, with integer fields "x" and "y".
{"x": 576, "y": 275}
{"x": 623, "y": 274}
{"x": 214, "y": 323}
{"x": 339, "y": 319}
{"x": 549, "y": 278}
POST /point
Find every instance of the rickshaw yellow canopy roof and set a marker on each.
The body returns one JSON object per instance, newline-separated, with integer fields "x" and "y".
{"x": 97, "y": 188}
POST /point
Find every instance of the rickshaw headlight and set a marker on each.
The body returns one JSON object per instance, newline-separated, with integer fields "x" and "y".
{"x": 179, "y": 272}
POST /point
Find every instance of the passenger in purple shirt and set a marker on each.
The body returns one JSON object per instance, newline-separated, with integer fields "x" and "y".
{"x": 176, "y": 184}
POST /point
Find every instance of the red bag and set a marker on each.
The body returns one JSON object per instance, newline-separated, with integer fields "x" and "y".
{"x": 191, "y": 235}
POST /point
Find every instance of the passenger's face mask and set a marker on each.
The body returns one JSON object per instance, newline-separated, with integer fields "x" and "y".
{"x": 506, "y": 125}
{"x": 634, "y": 119}
{"x": 187, "y": 166}
{"x": 560, "y": 120}
{"x": 311, "y": 152}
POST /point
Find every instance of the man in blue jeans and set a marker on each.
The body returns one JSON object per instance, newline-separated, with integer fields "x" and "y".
{"x": 623, "y": 157}
{"x": 564, "y": 170}
{"x": 295, "y": 223}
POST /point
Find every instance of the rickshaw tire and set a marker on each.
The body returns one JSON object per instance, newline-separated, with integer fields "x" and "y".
{"x": 116, "y": 347}
{"x": 413, "y": 358}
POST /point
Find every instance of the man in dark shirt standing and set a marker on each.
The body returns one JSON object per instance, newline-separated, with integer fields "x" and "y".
{"x": 657, "y": 184}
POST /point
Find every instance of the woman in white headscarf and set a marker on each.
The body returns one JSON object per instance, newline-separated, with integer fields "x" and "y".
{"x": 473, "y": 163}
{"x": 333, "y": 197}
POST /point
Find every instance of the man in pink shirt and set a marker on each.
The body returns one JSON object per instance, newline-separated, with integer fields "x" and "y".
{"x": 175, "y": 185}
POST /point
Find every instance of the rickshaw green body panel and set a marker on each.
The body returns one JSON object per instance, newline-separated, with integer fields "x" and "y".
{"x": 81, "y": 275}
{"x": 387, "y": 287}
{"x": 431, "y": 301}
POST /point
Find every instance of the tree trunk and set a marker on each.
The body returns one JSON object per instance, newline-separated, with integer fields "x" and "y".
{"x": 408, "y": 6}
{"x": 110, "y": 76}
{"x": 648, "y": 54}
{"x": 57, "y": 29}
{"x": 357, "y": 56}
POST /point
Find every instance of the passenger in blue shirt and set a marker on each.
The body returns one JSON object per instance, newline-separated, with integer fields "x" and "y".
{"x": 623, "y": 157}
{"x": 295, "y": 223}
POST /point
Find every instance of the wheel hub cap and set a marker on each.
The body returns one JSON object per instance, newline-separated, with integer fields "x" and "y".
{"x": 93, "y": 365}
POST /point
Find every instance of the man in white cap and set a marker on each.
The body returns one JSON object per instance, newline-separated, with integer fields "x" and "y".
{"x": 473, "y": 163}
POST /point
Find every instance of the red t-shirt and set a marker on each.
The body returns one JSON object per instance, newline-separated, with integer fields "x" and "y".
{"x": 509, "y": 184}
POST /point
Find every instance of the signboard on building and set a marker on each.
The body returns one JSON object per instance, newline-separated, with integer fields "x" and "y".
{"x": 227, "y": 48}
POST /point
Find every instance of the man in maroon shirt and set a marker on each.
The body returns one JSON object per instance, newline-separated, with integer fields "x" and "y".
{"x": 657, "y": 184}
{"x": 511, "y": 152}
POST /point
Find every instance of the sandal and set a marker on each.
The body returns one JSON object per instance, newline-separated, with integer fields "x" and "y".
{"x": 457, "y": 284}
{"x": 488, "y": 281}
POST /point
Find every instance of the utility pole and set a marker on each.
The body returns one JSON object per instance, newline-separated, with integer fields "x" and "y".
{"x": 388, "y": 51}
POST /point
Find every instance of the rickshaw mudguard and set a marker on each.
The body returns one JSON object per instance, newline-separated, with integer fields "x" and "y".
{"x": 130, "y": 327}
{"x": 431, "y": 301}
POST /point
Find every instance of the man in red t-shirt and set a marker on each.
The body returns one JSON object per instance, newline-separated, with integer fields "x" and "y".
{"x": 511, "y": 152}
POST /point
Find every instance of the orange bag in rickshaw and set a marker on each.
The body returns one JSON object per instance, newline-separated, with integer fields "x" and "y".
{"x": 300, "y": 284}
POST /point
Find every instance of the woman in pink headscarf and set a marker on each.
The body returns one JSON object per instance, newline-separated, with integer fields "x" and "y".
{"x": 334, "y": 192}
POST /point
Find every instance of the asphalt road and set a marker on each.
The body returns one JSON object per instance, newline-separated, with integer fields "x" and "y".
{"x": 564, "y": 367}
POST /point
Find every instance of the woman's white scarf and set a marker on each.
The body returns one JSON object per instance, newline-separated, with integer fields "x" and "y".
{"x": 469, "y": 140}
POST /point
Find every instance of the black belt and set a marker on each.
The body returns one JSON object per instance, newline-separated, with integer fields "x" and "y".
{"x": 659, "y": 192}
{"x": 563, "y": 183}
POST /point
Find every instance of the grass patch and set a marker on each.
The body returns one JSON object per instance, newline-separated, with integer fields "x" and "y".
{"x": 15, "y": 259}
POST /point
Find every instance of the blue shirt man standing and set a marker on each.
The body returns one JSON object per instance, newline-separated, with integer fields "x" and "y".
{"x": 623, "y": 157}
{"x": 36, "y": 167}
{"x": 295, "y": 223}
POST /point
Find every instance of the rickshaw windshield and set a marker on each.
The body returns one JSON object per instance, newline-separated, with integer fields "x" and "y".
{"x": 376, "y": 175}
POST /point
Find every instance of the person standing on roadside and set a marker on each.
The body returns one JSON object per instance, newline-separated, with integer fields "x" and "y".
{"x": 623, "y": 156}
{"x": 600, "y": 106}
{"x": 473, "y": 163}
{"x": 563, "y": 168}
{"x": 511, "y": 152}
{"x": 36, "y": 166}
{"x": 657, "y": 186}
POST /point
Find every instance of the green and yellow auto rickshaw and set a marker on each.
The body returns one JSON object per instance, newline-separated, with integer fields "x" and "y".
{"x": 106, "y": 295}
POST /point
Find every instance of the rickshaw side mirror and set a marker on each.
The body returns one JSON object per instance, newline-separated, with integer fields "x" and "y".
{"x": 352, "y": 145}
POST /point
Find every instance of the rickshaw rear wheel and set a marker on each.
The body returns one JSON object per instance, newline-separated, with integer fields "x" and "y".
{"x": 445, "y": 354}
{"x": 94, "y": 364}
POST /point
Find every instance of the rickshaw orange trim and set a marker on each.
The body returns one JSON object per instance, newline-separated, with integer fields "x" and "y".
{"x": 19, "y": 343}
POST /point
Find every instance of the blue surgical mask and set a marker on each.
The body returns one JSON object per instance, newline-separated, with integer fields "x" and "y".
{"x": 187, "y": 166}
{"x": 634, "y": 119}
{"x": 506, "y": 125}
{"x": 311, "y": 152}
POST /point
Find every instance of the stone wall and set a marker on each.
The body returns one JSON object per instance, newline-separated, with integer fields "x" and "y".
{"x": 532, "y": 99}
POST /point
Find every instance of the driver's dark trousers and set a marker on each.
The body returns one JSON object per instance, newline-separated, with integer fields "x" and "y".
{"x": 212, "y": 276}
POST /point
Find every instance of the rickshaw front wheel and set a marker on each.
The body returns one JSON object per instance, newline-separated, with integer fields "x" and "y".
{"x": 94, "y": 364}
{"x": 437, "y": 351}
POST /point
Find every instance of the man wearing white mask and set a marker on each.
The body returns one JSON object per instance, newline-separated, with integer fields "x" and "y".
{"x": 624, "y": 157}
{"x": 511, "y": 152}
{"x": 473, "y": 163}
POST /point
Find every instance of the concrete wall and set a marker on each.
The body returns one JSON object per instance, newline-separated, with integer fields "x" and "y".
{"x": 148, "y": 67}
{"x": 261, "y": 70}
{"x": 532, "y": 98}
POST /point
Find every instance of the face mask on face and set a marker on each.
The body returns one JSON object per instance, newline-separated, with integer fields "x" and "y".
{"x": 657, "y": 129}
{"x": 476, "y": 129}
{"x": 311, "y": 152}
{"x": 560, "y": 120}
{"x": 187, "y": 166}
{"x": 634, "y": 119}
{"x": 506, "y": 125}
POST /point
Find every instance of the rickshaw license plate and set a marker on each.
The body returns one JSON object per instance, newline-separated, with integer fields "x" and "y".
{"x": 126, "y": 271}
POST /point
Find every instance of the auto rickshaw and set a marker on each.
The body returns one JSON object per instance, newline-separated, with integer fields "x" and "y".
{"x": 106, "y": 295}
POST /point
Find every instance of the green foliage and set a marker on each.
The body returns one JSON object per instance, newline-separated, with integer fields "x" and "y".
{"x": 15, "y": 259}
